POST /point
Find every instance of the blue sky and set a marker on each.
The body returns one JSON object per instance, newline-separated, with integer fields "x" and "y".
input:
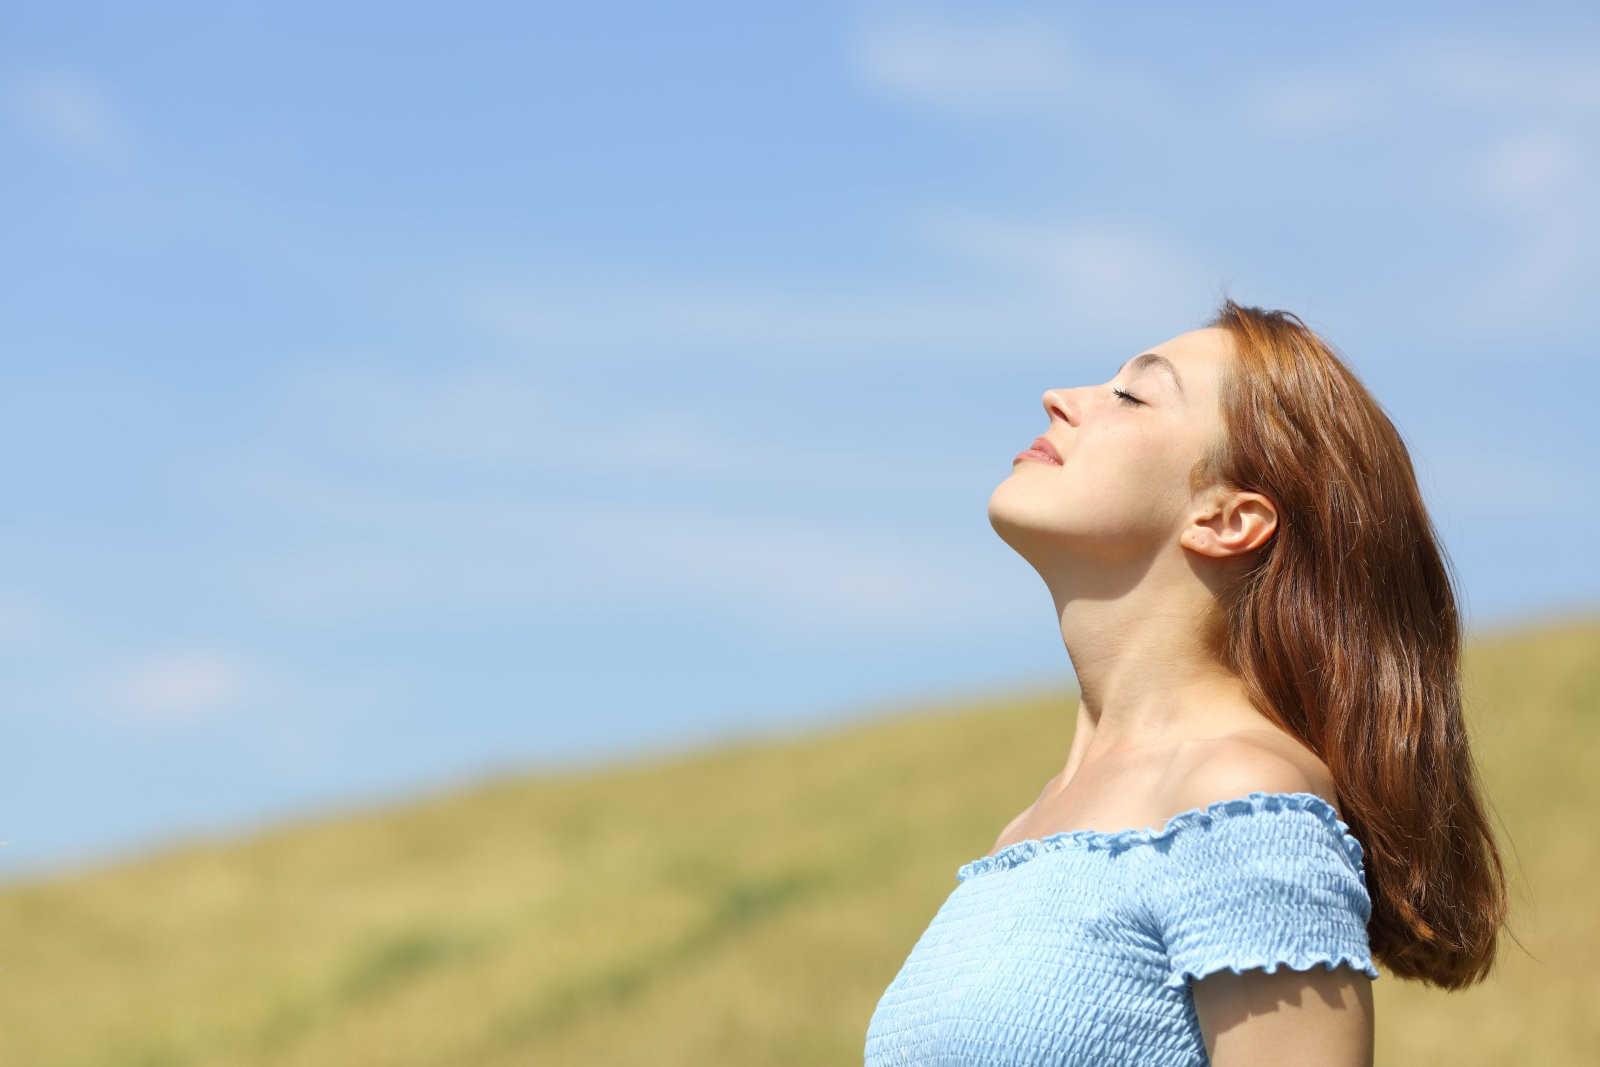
{"x": 397, "y": 395}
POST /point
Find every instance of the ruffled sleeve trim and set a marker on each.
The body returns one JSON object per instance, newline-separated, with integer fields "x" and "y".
{"x": 1361, "y": 961}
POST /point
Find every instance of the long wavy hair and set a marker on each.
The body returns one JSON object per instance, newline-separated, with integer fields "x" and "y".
{"x": 1345, "y": 632}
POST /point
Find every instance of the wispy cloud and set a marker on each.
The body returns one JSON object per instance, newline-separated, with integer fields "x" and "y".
{"x": 22, "y": 617}
{"x": 658, "y": 320}
{"x": 1407, "y": 82}
{"x": 476, "y": 521}
{"x": 1523, "y": 171}
{"x": 465, "y": 414}
{"x": 175, "y": 687}
{"x": 800, "y": 575}
{"x": 1316, "y": 102}
{"x": 1502, "y": 75}
{"x": 471, "y": 525}
{"x": 70, "y": 111}
{"x": 986, "y": 65}
{"x": 1509, "y": 124}
{"x": 461, "y": 422}
{"x": 1117, "y": 275}
{"x": 976, "y": 64}
{"x": 773, "y": 572}
{"x": 1537, "y": 182}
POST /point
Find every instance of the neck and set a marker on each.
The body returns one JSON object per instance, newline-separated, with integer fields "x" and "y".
{"x": 1145, "y": 678}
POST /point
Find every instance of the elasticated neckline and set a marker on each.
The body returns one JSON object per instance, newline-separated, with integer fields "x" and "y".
{"x": 1019, "y": 852}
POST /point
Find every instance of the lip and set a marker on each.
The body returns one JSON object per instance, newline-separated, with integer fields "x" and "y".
{"x": 1041, "y": 449}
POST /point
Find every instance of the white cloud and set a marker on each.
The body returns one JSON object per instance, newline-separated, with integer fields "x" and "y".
{"x": 1407, "y": 82}
{"x": 790, "y": 574}
{"x": 1547, "y": 267}
{"x": 22, "y": 618}
{"x": 1502, "y": 75}
{"x": 177, "y": 686}
{"x": 482, "y": 418}
{"x": 1523, "y": 171}
{"x": 471, "y": 524}
{"x": 645, "y": 320}
{"x": 973, "y": 64}
{"x": 984, "y": 66}
{"x": 781, "y": 573}
{"x": 1519, "y": 171}
{"x": 1097, "y": 272}
{"x": 1534, "y": 181}
{"x": 464, "y": 414}
{"x": 1316, "y": 102}
{"x": 70, "y": 111}
{"x": 480, "y": 531}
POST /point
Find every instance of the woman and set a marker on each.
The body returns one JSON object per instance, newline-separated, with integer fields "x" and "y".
{"x": 1269, "y": 786}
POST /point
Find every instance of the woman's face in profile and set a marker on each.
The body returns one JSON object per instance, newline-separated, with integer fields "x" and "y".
{"x": 1127, "y": 445}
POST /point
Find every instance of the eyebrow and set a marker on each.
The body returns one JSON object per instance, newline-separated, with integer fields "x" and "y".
{"x": 1156, "y": 359}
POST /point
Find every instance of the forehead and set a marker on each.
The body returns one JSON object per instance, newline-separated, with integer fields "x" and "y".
{"x": 1199, "y": 357}
{"x": 1197, "y": 348}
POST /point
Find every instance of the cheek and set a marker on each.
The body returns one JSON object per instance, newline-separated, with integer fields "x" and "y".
{"x": 1129, "y": 454}
{"x": 1143, "y": 473}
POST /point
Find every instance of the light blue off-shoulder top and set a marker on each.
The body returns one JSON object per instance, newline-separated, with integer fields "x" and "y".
{"x": 1077, "y": 947}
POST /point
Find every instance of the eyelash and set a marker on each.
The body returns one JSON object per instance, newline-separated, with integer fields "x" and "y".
{"x": 1126, "y": 397}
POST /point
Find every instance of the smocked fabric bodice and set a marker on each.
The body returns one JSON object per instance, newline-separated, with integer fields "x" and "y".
{"x": 1077, "y": 947}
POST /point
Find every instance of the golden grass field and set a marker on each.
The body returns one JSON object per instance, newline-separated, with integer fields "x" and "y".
{"x": 746, "y": 905}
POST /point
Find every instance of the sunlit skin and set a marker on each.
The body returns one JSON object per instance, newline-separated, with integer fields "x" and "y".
{"x": 1132, "y": 559}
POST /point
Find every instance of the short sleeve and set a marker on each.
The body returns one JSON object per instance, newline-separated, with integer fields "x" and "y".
{"x": 1259, "y": 882}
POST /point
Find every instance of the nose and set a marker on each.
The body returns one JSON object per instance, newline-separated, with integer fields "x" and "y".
{"x": 1058, "y": 402}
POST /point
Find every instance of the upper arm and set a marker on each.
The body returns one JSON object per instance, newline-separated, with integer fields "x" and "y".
{"x": 1318, "y": 1017}
{"x": 1313, "y": 1018}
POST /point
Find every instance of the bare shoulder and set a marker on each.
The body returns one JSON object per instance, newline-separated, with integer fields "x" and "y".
{"x": 1250, "y": 761}
{"x": 1249, "y": 1019}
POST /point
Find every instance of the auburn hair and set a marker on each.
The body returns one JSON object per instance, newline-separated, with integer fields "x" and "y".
{"x": 1345, "y": 631}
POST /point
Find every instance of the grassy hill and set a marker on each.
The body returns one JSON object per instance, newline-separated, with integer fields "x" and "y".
{"x": 739, "y": 906}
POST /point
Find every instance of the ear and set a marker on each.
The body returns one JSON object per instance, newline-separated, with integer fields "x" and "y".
{"x": 1230, "y": 523}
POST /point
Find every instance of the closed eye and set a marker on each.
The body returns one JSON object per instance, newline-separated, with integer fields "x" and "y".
{"x": 1127, "y": 398}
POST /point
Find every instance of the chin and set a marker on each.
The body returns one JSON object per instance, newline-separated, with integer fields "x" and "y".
{"x": 1015, "y": 508}
{"x": 1019, "y": 491}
